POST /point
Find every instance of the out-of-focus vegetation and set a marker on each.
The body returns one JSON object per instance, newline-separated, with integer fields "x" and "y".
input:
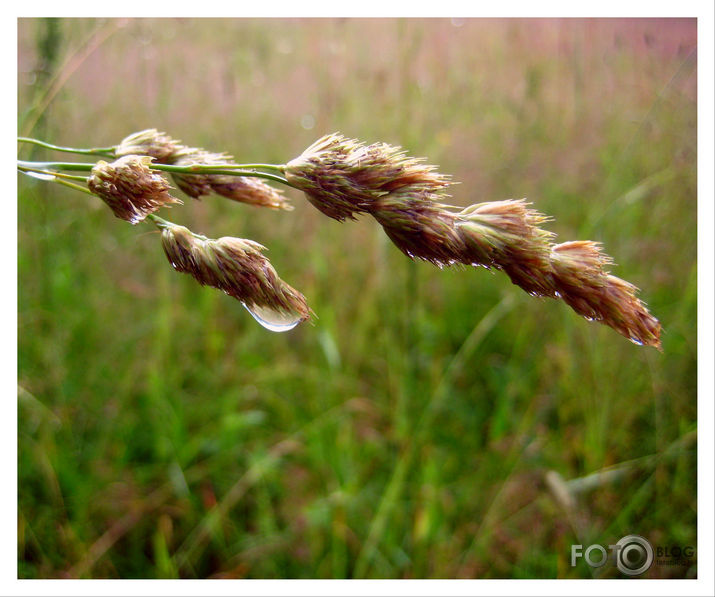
{"x": 409, "y": 431}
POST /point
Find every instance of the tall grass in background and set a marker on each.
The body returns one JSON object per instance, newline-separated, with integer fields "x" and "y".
{"x": 416, "y": 428}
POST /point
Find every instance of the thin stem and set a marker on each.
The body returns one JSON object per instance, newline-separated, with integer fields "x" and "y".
{"x": 54, "y": 178}
{"x": 274, "y": 167}
{"x": 57, "y": 177}
{"x": 71, "y": 176}
{"x": 230, "y": 169}
{"x": 251, "y": 173}
{"x": 103, "y": 151}
{"x": 161, "y": 223}
{"x": 53, "y": 173}
{"x": 73, "y": 166}
{"x": 71, "y": 185}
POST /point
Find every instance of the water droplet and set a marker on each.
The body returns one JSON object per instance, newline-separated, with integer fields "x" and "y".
{"x": 275, "y": 321}
{"x": 636, "y": 341}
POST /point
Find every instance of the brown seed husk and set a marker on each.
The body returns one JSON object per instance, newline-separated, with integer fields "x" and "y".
{"x": 343, "y": 177}
{"x": 149, "y": 142}
{"x": 252, "y": 191}
{"x": 506, "y": 235}
{"x": 130, "y": 188}
{"x": 420, "y": 227}
{"x": 583, "y": 283}
{"x": 234, "y": 265}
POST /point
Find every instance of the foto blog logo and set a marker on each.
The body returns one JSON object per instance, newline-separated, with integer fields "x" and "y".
{"x": 632, "y": 555}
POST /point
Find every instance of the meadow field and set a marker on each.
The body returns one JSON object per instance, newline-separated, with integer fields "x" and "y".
{"x": 425, "y": 423}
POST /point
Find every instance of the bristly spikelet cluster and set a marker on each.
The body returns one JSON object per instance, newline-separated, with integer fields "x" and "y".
{"x": 194, "y": 185}
{"x": 506, "y": 235}
{"x": 148, "y": 142}
{"x": 343, "y": 177}
{"x": 584, "y": 284}
{"x": 169, "y": 151}
{"x": 252, "y": 191}
{"x": 234, "y": 265}
{"x": 419, "y": 227}
{"x": 130, "y": 188}
{"x": 238, "y": 188}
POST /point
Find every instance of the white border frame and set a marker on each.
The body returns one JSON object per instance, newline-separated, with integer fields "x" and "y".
{"x": 705, "y": 585}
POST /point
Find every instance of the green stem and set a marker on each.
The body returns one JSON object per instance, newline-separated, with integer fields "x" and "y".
{"x": 72, "y": 166}
{"x": 274, "y": 167}
{"x": 161, "y": 223}
{"x": 230, "y": 169}
{"x": 53, "y": 173}
{"x": 57, "y": 177}
{"x": 103, "y": 151}
{"x": 109, "y": 152}
{"x": 76, "y": 187}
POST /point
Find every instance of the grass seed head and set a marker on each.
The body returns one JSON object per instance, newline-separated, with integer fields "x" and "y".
{"x": 149, "y": 142}
{"x": 506, "y": 235}
{"x": 584, "y": 284}
{"x": 130, "y": 188}
{"x": 420, "y": 227}
{"x": 196, "y": 185}
{"x": 343, "y": 177}
{"x": 252, "y": 191}
{"x": 234, "y": 265}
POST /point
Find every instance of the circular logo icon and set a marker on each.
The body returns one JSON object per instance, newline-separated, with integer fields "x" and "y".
{"x": 634, "y": 555}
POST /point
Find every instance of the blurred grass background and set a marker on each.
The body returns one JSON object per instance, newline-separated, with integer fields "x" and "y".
{"x": 423, "y": 424}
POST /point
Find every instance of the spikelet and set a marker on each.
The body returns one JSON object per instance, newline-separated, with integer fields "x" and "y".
{"x": 252, "y": 191}
{"x": 195, "y": 185}
{"x": 166, "y": 150}
{"x": 343, "y": 177}
{"x": 238, "y": 188}
{"x": 130, "y": 188}
{"x": 149, "y": 142}
{"x": 506, "y": 235}
{"x": 583, "y": 283}
{"x": 234, "y": 265}
{"x": 419, "y": 227}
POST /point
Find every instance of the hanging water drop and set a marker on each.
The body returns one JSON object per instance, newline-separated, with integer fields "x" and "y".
{"x": 275, "y": 321}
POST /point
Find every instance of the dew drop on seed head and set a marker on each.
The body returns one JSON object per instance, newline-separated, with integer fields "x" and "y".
{"x": 275, "y": 321}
